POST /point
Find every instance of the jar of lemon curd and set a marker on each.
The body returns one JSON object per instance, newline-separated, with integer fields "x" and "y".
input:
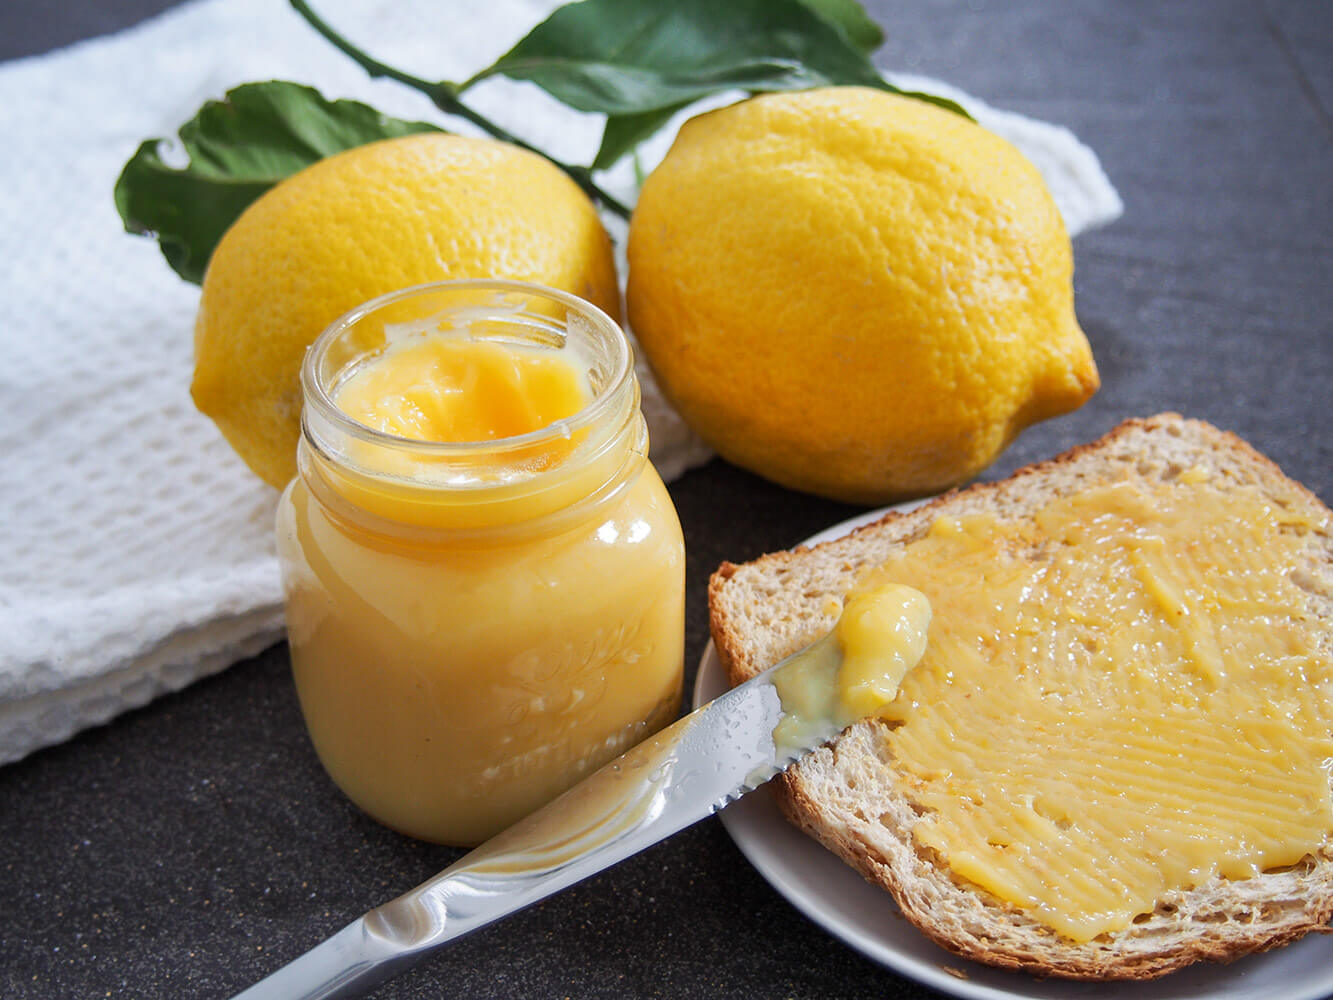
{"x": 484, "y": 575}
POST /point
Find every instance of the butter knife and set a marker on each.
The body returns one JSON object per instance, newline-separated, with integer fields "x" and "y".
{"x": 686, "y": 772}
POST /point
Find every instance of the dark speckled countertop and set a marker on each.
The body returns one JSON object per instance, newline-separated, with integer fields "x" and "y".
{"x": 190, "y": 847}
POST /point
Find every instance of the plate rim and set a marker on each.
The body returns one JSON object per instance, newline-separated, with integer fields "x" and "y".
{"x": 744, "y": 822}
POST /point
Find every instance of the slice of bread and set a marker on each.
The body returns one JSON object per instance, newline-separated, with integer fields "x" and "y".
{"x": 848, "y": 795}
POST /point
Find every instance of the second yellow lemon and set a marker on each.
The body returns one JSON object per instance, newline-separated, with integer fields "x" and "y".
{"x": 361, "y": 224}
{"x": 855, "y": 294}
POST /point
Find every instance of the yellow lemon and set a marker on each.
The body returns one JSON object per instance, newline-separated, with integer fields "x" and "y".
{"x": 360, "y": 224}
{"x": 855, "y": 294}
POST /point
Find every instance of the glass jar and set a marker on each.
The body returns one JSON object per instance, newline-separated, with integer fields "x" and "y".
{"x": 474, "y": 627}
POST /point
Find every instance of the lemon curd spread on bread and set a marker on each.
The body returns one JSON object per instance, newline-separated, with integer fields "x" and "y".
{"x": 1114, "y": 758}
{"x": 855, "y": 670}
{"x": 1121, "y": 697}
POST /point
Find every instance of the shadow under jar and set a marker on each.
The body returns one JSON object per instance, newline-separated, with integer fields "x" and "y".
{"x": 475, "y": 626}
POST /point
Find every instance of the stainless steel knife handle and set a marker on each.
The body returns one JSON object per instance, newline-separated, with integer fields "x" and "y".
{"x": 684, "y": 773}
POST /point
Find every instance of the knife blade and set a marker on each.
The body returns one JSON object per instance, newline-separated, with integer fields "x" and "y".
{"x": 685, "y": 773}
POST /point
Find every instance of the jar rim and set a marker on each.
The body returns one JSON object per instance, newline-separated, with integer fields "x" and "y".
{"x": 605, "y": 397}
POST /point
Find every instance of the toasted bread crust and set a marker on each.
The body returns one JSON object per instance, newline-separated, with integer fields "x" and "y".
{"x": 845, "y": 796}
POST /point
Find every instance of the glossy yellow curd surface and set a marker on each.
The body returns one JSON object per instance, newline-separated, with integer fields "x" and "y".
{"x": 456, "y": 388}
{"x": 1121, "y": 697}
{"x": 855, "y": 670}
{"x": 468, "y": 644}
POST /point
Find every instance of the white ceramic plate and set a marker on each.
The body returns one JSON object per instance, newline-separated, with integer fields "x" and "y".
{"x": 865, "y": 917}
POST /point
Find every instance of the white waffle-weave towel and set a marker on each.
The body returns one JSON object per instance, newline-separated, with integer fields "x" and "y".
{"x": 138, "y": 550}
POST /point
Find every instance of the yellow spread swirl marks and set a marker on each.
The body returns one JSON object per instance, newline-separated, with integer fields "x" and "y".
{"x": 1122, "y": 696}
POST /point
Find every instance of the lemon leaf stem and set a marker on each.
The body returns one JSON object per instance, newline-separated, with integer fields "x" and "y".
{"x": 445, "y": 97}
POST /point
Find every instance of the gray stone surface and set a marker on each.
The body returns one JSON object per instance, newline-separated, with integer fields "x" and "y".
{"x": 188, "y": 848}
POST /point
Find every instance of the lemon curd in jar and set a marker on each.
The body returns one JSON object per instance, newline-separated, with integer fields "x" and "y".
{"x": 484, "y": 575}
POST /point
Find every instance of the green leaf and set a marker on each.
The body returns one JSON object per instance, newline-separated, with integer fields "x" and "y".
{"x": 623, "y": 132}
{"x": 937, "y": 100}
{"x": 850, "y": 18}
{"x": 628, "y": 57}
{"x": 641, "y": 61}
{"x": 237, "y": 149}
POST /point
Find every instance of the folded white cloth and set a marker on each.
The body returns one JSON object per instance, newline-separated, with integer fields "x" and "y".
{"x": 139, "y": 549}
